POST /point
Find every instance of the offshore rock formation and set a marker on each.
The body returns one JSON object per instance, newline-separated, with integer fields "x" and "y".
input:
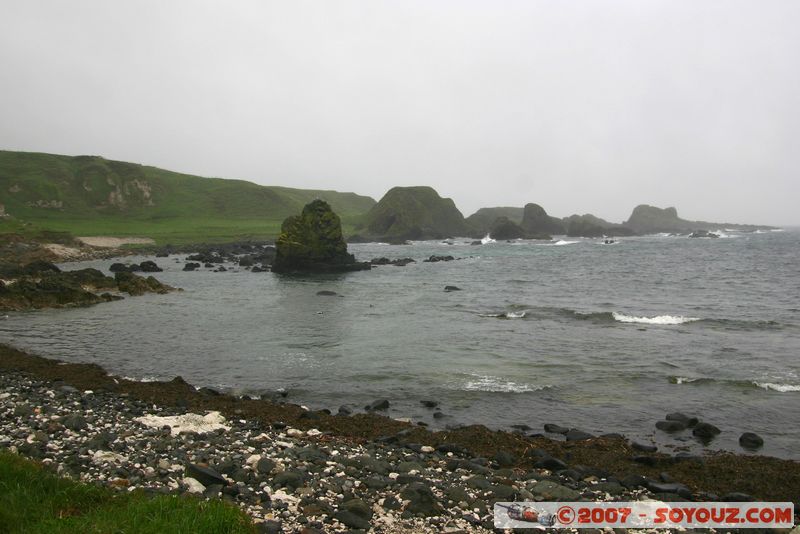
{"x": 503, "y": 228}
{"x": 412, "y": 213}
{"x": 313, "y": 242}
{"x": 538, "y": 224}
{"x": 650, "y": 219}
{"x": 588, "y": 225}
{"x": 482, "y": 220}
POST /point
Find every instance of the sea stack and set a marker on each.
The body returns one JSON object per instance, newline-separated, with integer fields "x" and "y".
{"x": 313, "y": 242}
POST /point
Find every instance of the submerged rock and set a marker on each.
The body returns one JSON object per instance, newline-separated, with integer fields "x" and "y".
{"x": 751, "y": 441}
{"x": 313, "y": 242}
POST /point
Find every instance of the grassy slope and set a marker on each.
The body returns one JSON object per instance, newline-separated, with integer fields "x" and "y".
{"x": 95, "y": 196}
{"x": 33, "y": 500}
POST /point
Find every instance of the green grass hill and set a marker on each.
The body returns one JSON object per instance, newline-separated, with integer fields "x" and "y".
{"x": 90, "y": 195}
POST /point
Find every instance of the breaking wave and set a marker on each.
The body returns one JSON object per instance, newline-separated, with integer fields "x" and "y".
{"x": 658, "y": 319}
{"x": 769, "y": 386}
{"x": 505, "y": 315}
{"x": 500, "y": 385}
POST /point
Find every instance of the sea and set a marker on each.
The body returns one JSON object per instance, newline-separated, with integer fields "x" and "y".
{"x": 606, "y": 338}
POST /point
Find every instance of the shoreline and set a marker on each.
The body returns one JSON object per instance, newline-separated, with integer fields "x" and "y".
{"x": 717, "y": 474}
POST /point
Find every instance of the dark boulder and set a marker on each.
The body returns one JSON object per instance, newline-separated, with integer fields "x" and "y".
{"x": 751, "y": 441}
{"x": 671, "y": 426}
{"x": 451, "y": 288}
{"x": 327, "y": 293}
{"x": 577, "y": 435}
{"x": 191, "y": 266}
{"x": 313, "y": 242}
{"x": 434, "y": 259}
{"x": 421, "y": 500}
{"x": 382, "y": 404}
{"x": 205, "y": 475}
{"x": 705, "y": 431}
{"x": 150, "y": 267}
{"x": 40, "y": 266}
{"x": 683, "y": 418}
{"x": 644, "y": 447}
{"x": 136, "y": 285}
{"x": 555, "y": 429}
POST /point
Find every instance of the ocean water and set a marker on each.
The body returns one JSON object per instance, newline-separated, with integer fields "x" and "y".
{"x": 605, "y": 338}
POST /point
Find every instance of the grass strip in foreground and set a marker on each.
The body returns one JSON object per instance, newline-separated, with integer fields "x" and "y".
{"x": 33, "y": 500}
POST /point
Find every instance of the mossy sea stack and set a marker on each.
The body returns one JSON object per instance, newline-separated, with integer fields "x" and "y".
{"x": 313, "y": 242}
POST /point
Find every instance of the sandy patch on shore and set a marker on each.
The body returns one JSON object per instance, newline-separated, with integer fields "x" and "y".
{"x": 112, "y": 242}
{"x": 63, "y": 252}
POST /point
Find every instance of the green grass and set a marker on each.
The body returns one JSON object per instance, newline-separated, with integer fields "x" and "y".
{"x": 89, "y": 195}
{"x": 33, "y": 500}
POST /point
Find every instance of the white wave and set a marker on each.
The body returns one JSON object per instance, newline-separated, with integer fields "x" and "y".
{"x": 684, "y": 380}
{"x": 142, "y": 379}
{"x": 499, "y": 385}
{"x": 487, "y": 239}
{"x": 659, "y": 319}
{"x": 561, "y": 242}
{"x": 783, "y": 388}
{"x": 505, "y": 315}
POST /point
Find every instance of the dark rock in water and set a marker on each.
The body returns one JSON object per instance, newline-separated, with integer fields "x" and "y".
{"x": 136, "y": 285}
{"x": 749, "y": 440}
{"x": 435, "y": 259}
{"x": 313, "y": 242}
{"x": 523, "y": 427}
{"x": 555, "y": 429}
{"x": 257, "y": 269}
{"x": 476, "y": 243}
{"x": 577, "y": 435}
{"x": 326, "y": 293}
{"x": 422, "y": 500}
{"x": 150, "y": 267}
{"x": 205, "y": 475}
{"x": 703, "y": 233}
{"x": 644, "y": 447}
{"x": 119, "y": 268}
{"x": 683, "y": 418}
{"x": 382, "y": 404}
{"x": 671, "y": 426}
{"x": 705, "y": 431}
{"x": 429, "y": 403}
{"x": 451, "y": 288}
{"x": 246, "y": 261}
{"x": 191, "y": 266}
{"x": 438, "y": 415}
{"x": 504, "y": 228}
{"x": 344, "y": 410}
{"x": 538, "y": 224}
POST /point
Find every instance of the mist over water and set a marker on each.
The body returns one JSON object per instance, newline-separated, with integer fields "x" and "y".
{"x": 605, "y": 338}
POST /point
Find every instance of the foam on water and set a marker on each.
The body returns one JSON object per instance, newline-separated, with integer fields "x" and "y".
{"x": 499, "y": 385}
{"x": 505, "y": 315}
{"x": 659, "y": 319}
{"x": 562, "y": 242}
{"x": 783, "y": 388}
{"x": 487, "y": 240}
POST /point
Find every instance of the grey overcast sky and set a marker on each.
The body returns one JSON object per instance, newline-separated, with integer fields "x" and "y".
{"x": 580, "y": 106}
